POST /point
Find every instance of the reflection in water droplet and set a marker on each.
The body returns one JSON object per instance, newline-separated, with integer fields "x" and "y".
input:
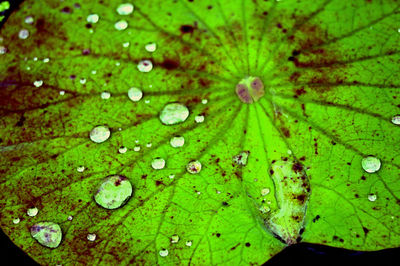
{"x": 121, "y": 25}
{"x": 193, "y": 167}
{"x": 151, "y": 47}
{"x": 174, "y": 113}
{"x": 122, "y": 149}
{"x": 177, "y": 141}
{"x": 125, "y": 9}
{"x": 23, "y": 34}
{"x": 199, "y": 118}
{"x": 174, "y": 239}
{"x": 92, "y": 18}
{"x": 158, "y": 163}
{"x": 80, "y": 168}
{"x": 145, "y": 66}
{"x": 372, "y": 197}
{"x": 100, "y": 134}
{"x": 16, "y": 221}
{"x": 241, "y": 158}
{"x": 91, "y": 237}
{"x": 32, "y": 211}
{"x": 105, "y": 95}
{"x": 265, "y": 191}
{"x": 371, "y": 164}
{"x": 114, "y": 192}
{"x": 48, "y": 234}
{"x": 396, "y": 119}
{"x": 163, "y": 252}
{"x": 189, "y": 243}
{"x": 135, "y": 94}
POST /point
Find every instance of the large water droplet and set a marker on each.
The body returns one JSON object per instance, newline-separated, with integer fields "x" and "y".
{"x": 193, "y": 167}
{"x": 121, "y": 25}
{"x": 174, "y": 239}
{"x": 92, "y": 18}
{"x": 114, "y": 191}
{"x": 48, "y": 234}
{"x": 100, "y": 134}
{"x": 32, "y": 211}
{"x": 177, "y": 141}
{"x": 371, "y": 164}
{"x": 199, "y": 119}
{"x": 158, "y": 163}
{"x": 125, "y": 9}
{"x": 105, "y": 95}
{"x": 163, "y": 252}
{"x": 396, "y": 119}
{"x": 241, "y": 158}
{"x": 145, "y": 66}
{"x": 23, "y": 34}
{"x": 135, "y": 94}
{"x": 91, "y": 237}
{"x": 174, "y": 113}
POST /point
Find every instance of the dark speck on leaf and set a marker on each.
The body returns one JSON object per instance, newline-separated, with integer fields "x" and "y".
{"x": 186, "y": 29}
{"x": 225, "y": 203}
{"x": 247, "y": 244}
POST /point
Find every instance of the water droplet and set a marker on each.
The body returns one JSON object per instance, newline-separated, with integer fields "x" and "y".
{"x": 135, "y": 94}
{"x": 114, "y": 192}
{"x": 158, "y": 163}
{"x": 125, "y": 44}
{"x": 46, "y": 60}
{"x": 38, "y": 83}
{"x": 148, "y": 145}
{"x": 151, "y": 47}
{"x": 70, "y": 218}
{"x": 125, "y": 9}
{"x": 371, "y": 197}
{"x": 177, "y": 141}
{"x": 193, "y": 167}
{"x": 189, "y": 243}
{"x": 62, "y": 93}
{"x": 174, "y": 239}
{"x": 250, "y": 89}
{"x": 92, "y": 18}
{"x": 174, "y": 113}
{"x": 396, "y": 119}
{"x": 204, "y": 101}
{"x": 163, "y": 252}
{"x": 172, "y": 176}
{"x": 91, "y": 237}
{"x": 3, "y": 49}
{"x": 29, "y": 20}
{"x": 371, "y": 164}
{"x": 121, "y": 25}
{"x": 82, "y": 80}
{"x": 48, "y": 234}
{"x": 199, "y": 118}
{"x": 265, "y": 191}
{"x": 100, "y": 134}
{"x": 145, "y": 66}
{"x": 264, "y": 209}
{"x": 136, "y": 148}
{"x": 80, "y": 168}
{"x": 23, "y": 34}
{"x": 32, "y": 211}
{"x": 122, "y": 149}
{"x": 105, "y": 95}
{"x": 16, "y": 221}
{"x": 241, "y": 158}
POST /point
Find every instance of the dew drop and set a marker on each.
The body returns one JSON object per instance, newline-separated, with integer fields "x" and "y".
{"x": 174, "y": 113}
{"x": 100, "y": 134}
{"x": 145, "y": 66}
{"x": 23, "y": 34}
{"x": 174, "y": 239}
{"x": 396, "y": 119}
{"x": 91, "y": 237}
{"x": 92, "y": 18}
{"x": 163, "y": 252}
{"x": 125, "y": 44}
{"x": 172, "y": 176}
{"x": 135, "y": 94}
{"x": 148, "y": 145}
{"x": 204, "y": 101}
{"x": 158, "y": 163}
{"x": 46, "y": 60}
{"x": 48, "y": 234}
{"x": 3, "y": 49}
{"x": 121, "y": 25}
{"x": 32, "y": 211}
{"x": 177, "y": 141}
{"x": 265, "y": 191}
{"x": 80, "y": 168}
{"x": 199, "y": 119}
{"x": 122, "y": 149}
{"x": 105, "y": 95}
{"x": 82, "y": 81}
{"x": 372, "y": 197}
{"x": 70, "y": 218}
{"x": 29, "y": 20}
{"x": 136, "y": 148}
{"x": 189, "y": 243}
{"x": 62, "y": 93}
{"x": 371, "y": 164}
{"x": 125, "y": 9}
{"x": 38, "y": 83}
{"x": 264, "y": 209}
{"x": 151, "y": 47}
{"x": 113, "y": 192}
{"x": 193, "y": 167}
{"x": 16, "y": 221}
{"x": 241, "y": 158}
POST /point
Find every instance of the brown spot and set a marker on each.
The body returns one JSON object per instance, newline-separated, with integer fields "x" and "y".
{"x": 285, "y": 132}
{"x": 186, "y": 29}
{"x": 297, "y": 167}
{"x": 169, "y": 64}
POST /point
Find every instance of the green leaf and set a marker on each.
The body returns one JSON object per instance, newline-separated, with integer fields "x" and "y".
{"x": 291, "y": 132}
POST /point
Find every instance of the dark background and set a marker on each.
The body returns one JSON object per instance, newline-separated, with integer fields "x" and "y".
{"x": 300, "y": 254}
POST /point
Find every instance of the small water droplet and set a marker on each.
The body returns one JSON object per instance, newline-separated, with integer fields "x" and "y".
{"x": 177, "y": 141}
{"x": 372, "y": 197}
{"x": 174, "y": 239}
{"x": 62, "y": 93}
{"x": 371, "y": 164}
{"x": 92, "y": 18}
{"x": 241, "y": 158}
{"x": 204, "y": 101}
{"x": 135, "y": 94}
{"x": 16, "y": 221}
{"x": 105, "y": 95}
{"x": 91, "y": 237}
{"x": 70, "y": 218}
{"x": 28, "y": 20}
{"x": 163, "y": 252}
{"x": 158, "y": 163}
{"x": 125, "y": 9}
{"x": 396, "y": 119}
{"x": 122, "y": 149}
{"x": 3, "y": 49}
{"x": 265, "y": 191}
{"x": 46, "y": 60}
{"x": 193, "y": 167}
{"x": 145, "y": 66}
{"x": 100, "y": 134}
{"x": 148, "y": 145}
{"x": 189, "y": 243}
{"x": 172, "y": 176}
{"x": 126, "y": 44}
{"x": 174, "y": 113}
{"x": 48, "y": 234}
{"x": 199, "y": 118}
{"x": 264, "y": 209}
{"x": 121, "y": 25}
{"x": 23, "y": 34}
{"x": 114, "y": 192}
{"x": 38, "y": 83}
{"x": 136, "y": 148}
{"x": 80, "y": 168}
{"x": 151, "y": 47}
{"x": 32, "y": 211}
{"x": 82, "y": 80}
